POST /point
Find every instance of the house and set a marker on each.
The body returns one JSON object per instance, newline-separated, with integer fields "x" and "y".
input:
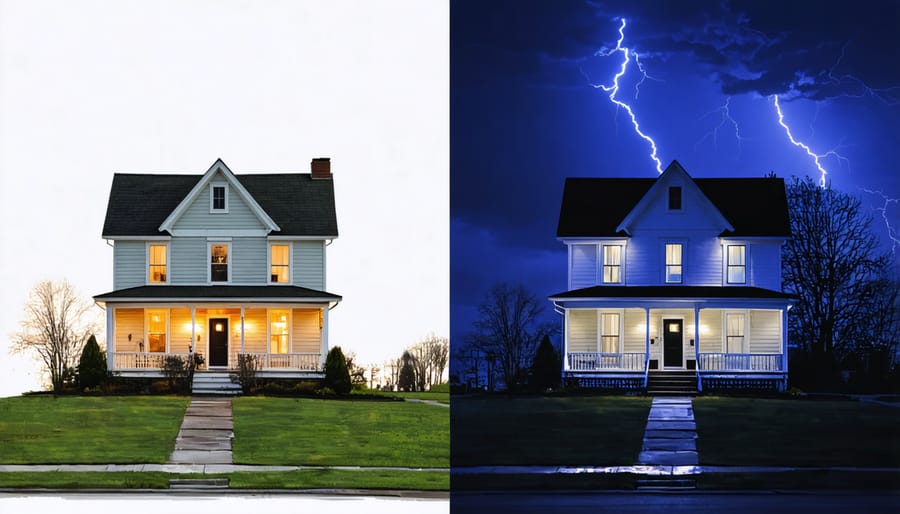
{"x": 674, "y": 282}
{"x": 222, "y": 265}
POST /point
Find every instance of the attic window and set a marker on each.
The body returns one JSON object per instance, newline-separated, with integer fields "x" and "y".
{"x": 675, "y": 198}
{"x": 218, "y": 197}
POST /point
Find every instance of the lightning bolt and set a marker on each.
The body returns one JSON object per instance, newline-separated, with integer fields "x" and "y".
{"x": 817, "y": 158}
{"x": 891, "y": 230}
{"x": 614, "y": 88}
{"x": 726, "y": 118}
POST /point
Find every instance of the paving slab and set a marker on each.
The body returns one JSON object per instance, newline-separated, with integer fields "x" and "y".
{"x": 672, "y": 445}
{"x": 206, "y": 433}
{"x": 672, "y": 401}
{"x": 200, "y": 457}
{"x": 670, "y": 434}
{"x": 200, "y": 423}
{"x": 671, "y": 413}
{"x": 671, "y": 425}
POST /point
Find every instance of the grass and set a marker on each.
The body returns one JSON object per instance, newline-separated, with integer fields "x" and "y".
{"x": 743, "y": 431}
{"x": 599, "y": 430}
{"x": 89, "y": 429}
{"x": 442, "y": 397}
{"x": 832, "y": 480}
{"x": 591, "y": 481}
{"x": 304, "y": 479}
{"x": 294, "y": 431}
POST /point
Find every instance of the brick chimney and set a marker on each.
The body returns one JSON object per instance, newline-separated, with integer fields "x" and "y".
{"x": 321, "y": 168}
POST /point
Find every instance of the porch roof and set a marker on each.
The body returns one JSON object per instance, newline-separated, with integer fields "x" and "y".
{"x": 219, "y": 293}
{"x": 671, "y": 292}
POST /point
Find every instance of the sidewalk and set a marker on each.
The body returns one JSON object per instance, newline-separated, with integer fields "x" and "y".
{"x": 190, "y": 468}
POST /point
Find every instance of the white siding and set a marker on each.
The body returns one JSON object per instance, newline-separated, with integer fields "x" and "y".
{"x": 189, "y": 260}
{"x": 129, "y": 263}
{"x": 249, "y": 260}
{"x": 711, "y": 330}
{"x": 582, "y": 330}
{"x": 305, "y": 333}
{"x": 635, "y": 340}
{"x": 765, "y": 331}
{"x": 309, "y": 264}
{"x": 197, "y": 215}
{"x": 764, "y": 268}
{"x": 584, "y": 266}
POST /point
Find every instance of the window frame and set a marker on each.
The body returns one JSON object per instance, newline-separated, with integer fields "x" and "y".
{"x": 149, "y": 263}
{"x": 666, "y": 264}
{"x": 729, "y": 266}
{"x": 601, "y": 334}
{"x": 147, "y": 314}
{"x": 229, "y": 262}
{"x": 620, "y": 267}
{"x": 680, "y": 198}
{"x": 725, "y": 337}
{"x": 290, "y": 263}
{"x": 289, "y": 321}
{"x": 212, "y": 199}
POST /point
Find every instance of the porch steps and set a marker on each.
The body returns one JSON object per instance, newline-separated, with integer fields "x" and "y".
{"x": 214, "y": 384}
{"x": 671, "y": 383}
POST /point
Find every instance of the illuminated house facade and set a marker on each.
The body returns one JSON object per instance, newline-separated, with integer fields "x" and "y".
{"x": 220, "y": 264}
{"x": 674, "y": 282}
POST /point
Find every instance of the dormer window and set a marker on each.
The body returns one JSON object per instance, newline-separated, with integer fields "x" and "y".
{"x": 218, "y": 197}
{"x": 675, "y": 198}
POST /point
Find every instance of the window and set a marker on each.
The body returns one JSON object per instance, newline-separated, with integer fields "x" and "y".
{"x": 218, "y": 198}
{"x": 157, "y": 256}
{"x": 218, "y": 268}
{"x": 280, "y": 256}
{"x": 734, "y": 333}
{"x": 612, "y": 264}
{"x": 279, "y": 330}
{"x": 156, "y": 330}
{"x": 737, "y": 264}
{"x": 609, "y": 330}
{"x": 673, "y": 263}
{"x": 675, "y": 198}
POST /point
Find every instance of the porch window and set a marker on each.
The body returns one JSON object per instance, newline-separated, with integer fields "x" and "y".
{"x": 281, "y": 267}
{"x": 737, "y": 264}
{"x": 673, "y": 263}
{"x": 612, "y": 264}
{"x": 609, "y": 330}
{"x": 157, "y": 321}
{"x": 157, "y": 263}
{"x": 734, "y": 333}
{"x": 279, "y": 328}
{"x": 218, "y": 269}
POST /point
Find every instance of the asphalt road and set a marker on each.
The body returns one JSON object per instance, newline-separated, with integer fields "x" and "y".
{"x": 696, "y": 503}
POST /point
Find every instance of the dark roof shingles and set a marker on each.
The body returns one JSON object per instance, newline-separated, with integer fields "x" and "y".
{"x": 223, "y": 292}
{"x": 672, "y": 292}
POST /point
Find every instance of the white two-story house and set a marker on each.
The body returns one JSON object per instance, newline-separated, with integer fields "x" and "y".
{"x": 674, "y": 274}
{"x": 220, "y": 264}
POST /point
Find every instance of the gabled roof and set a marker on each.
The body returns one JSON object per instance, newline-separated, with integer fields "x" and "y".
{"x": 600, "y": 292}
{"x": 594, "y": 207}
{"x": 300, "y": 206}
{"x": 219, "y": 293}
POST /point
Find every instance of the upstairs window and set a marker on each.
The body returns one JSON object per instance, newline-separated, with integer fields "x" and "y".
{"x": 734, "y": 333}
{"x": 158, "y": 258}
{"x": 609, "y": 330}
{"x": 218, "y": 266}
{"x": 218, "y": 197}
{"x": 157, "y": 323}
{"x": 673, "y": 263}
{"x": 675, "y": 198}
{"x": 612, "y": 264}
{"x": 280, "y": 272}
{"x": 737, "y": 264}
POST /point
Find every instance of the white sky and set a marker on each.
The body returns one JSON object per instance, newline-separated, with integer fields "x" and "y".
{"x": 91, "y": 88}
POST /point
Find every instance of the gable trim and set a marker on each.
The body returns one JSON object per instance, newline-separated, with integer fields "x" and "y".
{"x": 236, "y": 186}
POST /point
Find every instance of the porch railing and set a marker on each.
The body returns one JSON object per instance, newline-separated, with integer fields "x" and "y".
{"x": 142, "y": 360}
{"x": 593, "y": 361}
{"x": 740, "y": 362}
{"x": 288, "y": 361}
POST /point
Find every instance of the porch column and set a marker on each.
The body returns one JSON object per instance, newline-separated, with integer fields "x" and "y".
{"x": 697, "y": 346}
{"x": 324, "y": 350}
{"x": 242, "y": 329}
{"x": 193, "y": 345}
{"x": 565, "y": 358}
{"x": 110, "y": 338}
{"x": 784, "y": 343}
{"x": 647, "y": 342}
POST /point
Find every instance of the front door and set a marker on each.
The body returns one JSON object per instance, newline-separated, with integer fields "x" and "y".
{"x": 673, "y": 343}
{"x": 218, "y": 342}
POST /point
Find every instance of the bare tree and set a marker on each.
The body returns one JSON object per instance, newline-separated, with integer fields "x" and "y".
{"x": 56, "y": 325}
{"x": 430, "y": 359}
{"x": 509, "y": 329}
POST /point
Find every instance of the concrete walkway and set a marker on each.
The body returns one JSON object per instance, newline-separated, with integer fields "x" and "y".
{"x": 670, "y": 438}
{"x": 428, "y": 402}
{"x": 206, "y": 433}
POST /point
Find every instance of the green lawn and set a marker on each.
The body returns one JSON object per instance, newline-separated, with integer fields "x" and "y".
{"x": 597, "y": 430}
{"x": 421, "y": 395}
{"x": 743, "y": 431}
{"x": 89, "y": 429}
{"x": 295, "y": 431}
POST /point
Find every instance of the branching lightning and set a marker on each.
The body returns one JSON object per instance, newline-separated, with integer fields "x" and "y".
{"x": 614, "y": 88}
{"x": 891, "y": 230}
{"x": 816, "y": 157}
{"x": 726, "y": 118}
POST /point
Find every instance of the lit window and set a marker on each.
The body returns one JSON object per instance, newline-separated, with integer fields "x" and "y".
{"x": 278, "y": 330}
{"x": 156, "y": 330}
{"x": 675, "y": 198}
{"x": 218, "y": 198}
{"x": 158, "y": 264}
{"x": 218, "y": 270}
{"x": 737, "y": 264}
{"x": 281, "y": 267}
{"x": 673, "y": 263}
{"x": 734, "y": 333}
{"x": 612, "y": 264}
{"x": 609, "y": 330}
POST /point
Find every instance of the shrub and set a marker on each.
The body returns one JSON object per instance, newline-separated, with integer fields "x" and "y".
{"x": 248, "y": 365}
{"x": 174, "y": 368}
{"x": 91, "y": 365}
{"x": 406, "y": 380}
{"x": 440, "y": 388}
{"x": 546, "y": 367}
{"x": 337, "y": 375}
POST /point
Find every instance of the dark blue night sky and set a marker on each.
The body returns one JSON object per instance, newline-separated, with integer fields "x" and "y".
{"x": 524, "y": 114}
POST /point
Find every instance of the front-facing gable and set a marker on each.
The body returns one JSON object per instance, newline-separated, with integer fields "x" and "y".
{"x": 238, "y": 210}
